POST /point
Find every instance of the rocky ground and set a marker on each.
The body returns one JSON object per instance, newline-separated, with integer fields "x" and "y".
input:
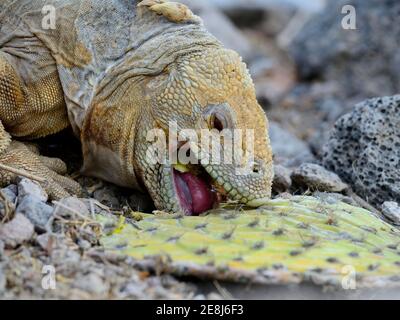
{"x": 308, "y": 80}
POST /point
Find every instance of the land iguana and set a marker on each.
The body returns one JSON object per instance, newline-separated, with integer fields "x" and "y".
{"x": 113, "y": 70}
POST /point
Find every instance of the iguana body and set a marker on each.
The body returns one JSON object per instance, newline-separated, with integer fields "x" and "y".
{"x": 113, "y": 70}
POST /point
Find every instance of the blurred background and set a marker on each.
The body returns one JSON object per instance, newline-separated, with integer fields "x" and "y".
{"x": 307, "y": 69}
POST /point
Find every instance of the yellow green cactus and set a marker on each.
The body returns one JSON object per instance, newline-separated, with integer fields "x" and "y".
{"x": 284, "y": 241}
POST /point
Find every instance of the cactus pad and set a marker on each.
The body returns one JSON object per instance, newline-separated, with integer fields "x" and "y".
{"x": 284, "y": 241}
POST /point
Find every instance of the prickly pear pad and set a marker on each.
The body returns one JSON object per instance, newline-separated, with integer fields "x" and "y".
{"x": 284, "y": 241}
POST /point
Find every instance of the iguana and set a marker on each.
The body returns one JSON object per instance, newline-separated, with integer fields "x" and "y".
{"x": 113, "y": 70}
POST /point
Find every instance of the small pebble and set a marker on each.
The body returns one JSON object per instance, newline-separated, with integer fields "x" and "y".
{"x": 70, "y": 207}
{"x": 38, "y": 212}
{"x": 16, "y": 231}
{"x": 92, "y": 283}
{"x": 10, "y": 192}
{"x": 28, "y": 187}
{"x": 391, "y": 210}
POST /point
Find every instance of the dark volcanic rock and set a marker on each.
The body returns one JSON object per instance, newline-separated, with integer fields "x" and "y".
{"x": 364, "y": 149}
{"x": 365, "y": 61}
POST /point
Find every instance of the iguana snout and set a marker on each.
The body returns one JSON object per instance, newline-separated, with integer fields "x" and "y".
{"x": 215, "y": 132}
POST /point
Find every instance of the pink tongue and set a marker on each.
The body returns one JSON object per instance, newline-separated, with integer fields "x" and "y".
{"x": 194, "y": 193}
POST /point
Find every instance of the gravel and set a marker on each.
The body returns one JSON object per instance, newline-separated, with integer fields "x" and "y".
{"x": 16, "y": 231}
{"x": 38, "y": 212}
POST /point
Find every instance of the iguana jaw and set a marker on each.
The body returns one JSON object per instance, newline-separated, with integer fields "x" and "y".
{"x": 195, "y": 189}
{"x": 200, "y": 187}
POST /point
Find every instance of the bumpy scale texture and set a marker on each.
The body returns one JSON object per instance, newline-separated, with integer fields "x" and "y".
{"x": 284, "y": 241}
{"x": 114, "y": 70}
{"x": 364, "y": 149}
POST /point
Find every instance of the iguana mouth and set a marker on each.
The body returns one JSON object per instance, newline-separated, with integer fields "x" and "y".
{"x": 195, "y": 190}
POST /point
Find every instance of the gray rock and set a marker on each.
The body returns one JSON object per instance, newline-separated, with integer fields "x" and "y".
{"x": 222, "y": 28}
{"x": 315, "y": 177}
{"x": 260, "y": 66}
{"x": 38, "y": 212}
{"x": 133, "y": 290}
{"x": 10, "y": 192}
{"x": 214, "y": 296}
{"x": 288, "y": 150}
{"x": 3, "y": 280}
{"x": 282, "y": 180}
{"x": 45, "y": 241}
{"x": 2, "y": 245}
{"x": 107, "y": 196}
{"x": 240, "y": 5}
{"x": 84, "y": 244}
{"x": 92, "y": 283}
{"x": 28, "y": 187}
{"x": 364, "y": 149}
{"x": 92, "y": 205}
{"x": 365, "y": 61}
{"x": 391, "y": 210}
{"x": 17, "y": 231}
{"x": 70, "y": 207}
{"x": 65, "y": 257}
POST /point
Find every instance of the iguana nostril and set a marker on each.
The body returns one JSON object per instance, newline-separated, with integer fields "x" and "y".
{"x": 256, "y": 167}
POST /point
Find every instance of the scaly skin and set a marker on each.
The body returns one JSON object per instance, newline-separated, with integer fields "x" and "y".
{"x": 114, "y": 83}
{"x": 212, "y": 78}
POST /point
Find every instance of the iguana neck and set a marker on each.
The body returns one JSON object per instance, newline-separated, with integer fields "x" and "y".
{"x": 108, "y": 134}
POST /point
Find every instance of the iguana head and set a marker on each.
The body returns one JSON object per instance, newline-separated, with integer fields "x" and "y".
{"x": 202, "y": 91}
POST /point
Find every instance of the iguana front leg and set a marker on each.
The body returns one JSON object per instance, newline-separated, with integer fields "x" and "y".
{"x": 22, "y": 156}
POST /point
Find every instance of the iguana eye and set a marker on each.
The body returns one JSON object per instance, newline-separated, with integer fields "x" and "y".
{"x": 219, "y": 117}
{"x": 217, "y": 123}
